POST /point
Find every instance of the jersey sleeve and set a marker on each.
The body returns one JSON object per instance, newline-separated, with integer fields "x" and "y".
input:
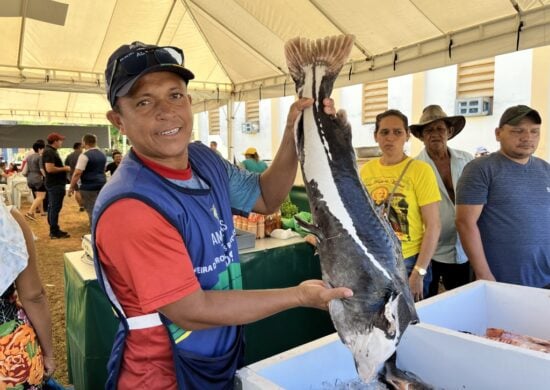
{"x": 427, "y": 190}
{"x": 81, "y": 162}
{"x": 244, "y": 187}
{"x": 144, "y": 257}
{"x": 473, "y": 185}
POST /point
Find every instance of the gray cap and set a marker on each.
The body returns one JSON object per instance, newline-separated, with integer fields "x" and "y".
{"x": 513, "y": 115}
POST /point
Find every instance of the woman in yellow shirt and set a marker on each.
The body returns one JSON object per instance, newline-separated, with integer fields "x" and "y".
{"x": 411, "y": 188}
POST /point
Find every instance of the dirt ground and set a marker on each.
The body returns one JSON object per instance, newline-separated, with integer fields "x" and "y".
{"x": 50, "y": 265}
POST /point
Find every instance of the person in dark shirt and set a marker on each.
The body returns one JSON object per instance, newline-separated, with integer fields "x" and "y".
{"x": 89, "y": 171}
{"x": 111, "y": 167}
{"x": 71, "y": 160}
{"x": 56, "y": 179}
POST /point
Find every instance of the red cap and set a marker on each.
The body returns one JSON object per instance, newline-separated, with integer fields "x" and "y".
{"x": 52, "y": 137}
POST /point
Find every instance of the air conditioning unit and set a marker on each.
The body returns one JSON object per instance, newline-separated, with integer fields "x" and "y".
{"x": 250, "y": 127}
{"x": 476, "y": 106}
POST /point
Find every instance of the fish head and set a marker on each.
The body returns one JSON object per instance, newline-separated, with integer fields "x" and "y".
{"x": 371, "y": 348}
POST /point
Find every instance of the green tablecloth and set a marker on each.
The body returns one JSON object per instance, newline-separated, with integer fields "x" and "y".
{"x": 285, "y": 266}
{"x": 91, "y": 324}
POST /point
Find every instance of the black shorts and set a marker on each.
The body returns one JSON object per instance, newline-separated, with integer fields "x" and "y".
{"x": 38, "y": 187}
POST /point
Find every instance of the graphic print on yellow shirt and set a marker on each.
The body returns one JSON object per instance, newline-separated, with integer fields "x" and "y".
{"x": 417, "y": 188}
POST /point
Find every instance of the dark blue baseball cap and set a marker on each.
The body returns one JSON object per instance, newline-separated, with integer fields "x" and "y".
{"x": 129, "y": 62}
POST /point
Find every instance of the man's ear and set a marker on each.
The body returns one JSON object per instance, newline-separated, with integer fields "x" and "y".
{"x": 497, "y": 133}
{"x": 115, "y": 119}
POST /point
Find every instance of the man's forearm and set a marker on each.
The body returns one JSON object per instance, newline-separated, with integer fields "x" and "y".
{"x": 278, "y": 179}
{"x": 473, "y": 247}
{"x": 51, "y": 168}
{"x": 206, "y": 309}
{"x": 75, "y": 179}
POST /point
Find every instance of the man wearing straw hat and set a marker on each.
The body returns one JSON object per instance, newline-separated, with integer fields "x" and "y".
{"x": 435, "y": 128}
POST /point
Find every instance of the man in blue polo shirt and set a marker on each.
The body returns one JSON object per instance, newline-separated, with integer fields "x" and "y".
{"x": 503, "y": 205}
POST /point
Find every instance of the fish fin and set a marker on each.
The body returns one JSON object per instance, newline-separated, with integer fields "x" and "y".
{"x": 398, "y": 379}
{"x": 331, "y": 51}
{"x": 313, "y": 229}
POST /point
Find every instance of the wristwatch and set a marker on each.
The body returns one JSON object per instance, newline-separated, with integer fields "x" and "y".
{"x": 421, "y": 271}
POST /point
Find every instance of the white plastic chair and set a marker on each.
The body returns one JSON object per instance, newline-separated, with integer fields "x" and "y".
{"x": 21, "y": 189}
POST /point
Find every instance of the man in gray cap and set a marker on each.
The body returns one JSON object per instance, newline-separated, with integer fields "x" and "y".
{"x": 449, "y": 263}
{"x": 503, "y": 205}
{"x": 174, "y": 275}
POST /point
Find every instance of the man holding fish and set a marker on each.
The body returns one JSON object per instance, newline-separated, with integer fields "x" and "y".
{"x": 174, "y": 275}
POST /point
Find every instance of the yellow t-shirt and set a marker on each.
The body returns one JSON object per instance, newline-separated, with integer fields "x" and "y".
{"x": 417, "y": 188}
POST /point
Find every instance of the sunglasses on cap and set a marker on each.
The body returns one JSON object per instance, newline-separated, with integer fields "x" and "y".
{"x": 135, "y": 62}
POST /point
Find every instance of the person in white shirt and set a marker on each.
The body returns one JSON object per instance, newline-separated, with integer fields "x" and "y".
{"x": 449, "y": 262}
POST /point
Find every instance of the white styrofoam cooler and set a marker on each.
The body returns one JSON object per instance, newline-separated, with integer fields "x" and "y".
{"x": 437, "y": 349}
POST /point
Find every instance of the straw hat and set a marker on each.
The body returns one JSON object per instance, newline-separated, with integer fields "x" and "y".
{"x": 433, "y": 113}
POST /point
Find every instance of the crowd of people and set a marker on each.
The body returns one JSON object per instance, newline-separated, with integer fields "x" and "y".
{"x": 84, "y": 171}
{"x": 172, "y": 276}
{"x": 483, "y": 220}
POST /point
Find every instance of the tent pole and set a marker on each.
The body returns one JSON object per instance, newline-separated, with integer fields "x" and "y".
{"x": 230, "y": 148}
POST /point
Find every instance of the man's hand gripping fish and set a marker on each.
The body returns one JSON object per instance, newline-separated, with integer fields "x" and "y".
{"x": 357, "y": 247}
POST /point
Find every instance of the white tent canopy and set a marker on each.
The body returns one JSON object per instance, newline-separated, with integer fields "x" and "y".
{"x": 54, "y": 52}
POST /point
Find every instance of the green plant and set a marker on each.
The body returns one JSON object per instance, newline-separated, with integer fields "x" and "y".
{"x": 288, "y": 209}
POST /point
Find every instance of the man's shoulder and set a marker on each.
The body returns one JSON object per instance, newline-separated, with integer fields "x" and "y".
{"x": 420, "y": 165}
{"x": 541, "y": 163}
{"x": 461, "y": 154}
{"x": 49, "y": 152}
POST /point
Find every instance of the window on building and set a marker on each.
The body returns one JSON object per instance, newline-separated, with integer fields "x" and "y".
{"x": 476, "y": 78}
{"x": 214, "y": 122}
{"x": 252, "y": 111}
{"x": 375, "y": 100}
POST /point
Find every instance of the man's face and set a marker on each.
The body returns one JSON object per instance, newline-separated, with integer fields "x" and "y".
{"x": 519, "y": 142}
{"x": 157, "y": 118}
{"x": 117, "y": 158}
{"x": 58, "y": 144}
{"x": 435, "y": 135}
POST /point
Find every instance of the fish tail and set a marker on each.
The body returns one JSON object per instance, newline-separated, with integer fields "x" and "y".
{"x": 330, "y": 51}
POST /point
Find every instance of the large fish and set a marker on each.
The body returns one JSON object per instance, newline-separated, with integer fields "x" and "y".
{"x": 357, "y": 247}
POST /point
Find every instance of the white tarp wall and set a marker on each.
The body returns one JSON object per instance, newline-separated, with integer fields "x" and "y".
{"x": 54, "y": 52}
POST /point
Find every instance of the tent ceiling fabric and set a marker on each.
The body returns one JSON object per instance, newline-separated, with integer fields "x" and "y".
{"x": 52, "y": 71}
